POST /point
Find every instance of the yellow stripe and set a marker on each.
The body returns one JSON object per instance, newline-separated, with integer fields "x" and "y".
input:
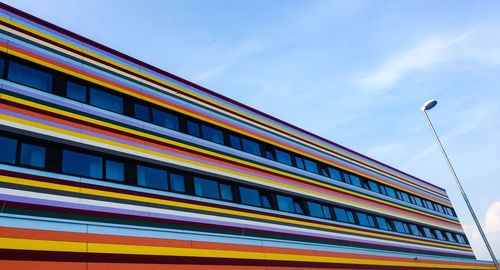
{"x": 286, "y": 132}
{"x": 61, "y": 246}
{"x": 245, "y": 163}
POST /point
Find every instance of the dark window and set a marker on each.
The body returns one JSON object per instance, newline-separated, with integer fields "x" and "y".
{"x": 212, "y": 134}
{"x": 415, "y": 230}
{"x": 9, "y": 150}
{"x": 323, "y": 171}
{"x": 106, "y": 101}
{"x": 365, "y": 220}
{"x": 30, "y": 76}
{"x": 269, "y": 153}
{"x": 311, "y": 166}
{"x": 326, "y": 212}
{"x": 226, "y": 192}
{"x": 283, "y": 157}
{"x": 76, "y": 91}
{"x": 142, "y": 112}
{"x": 418, "y": 201}
{"x": 334, "y": 173}
{"x": 32, "y": 155}
{"x": 165, "y": 119}
{"x": 356, "y": 181}
{"x": 450, "y": 237}
{"x": 373, "y": 186}
{"x": 300, "y": 163}
{"x": 404, "y": 196}
{"x": 460, "y": 239}
{"x": 115, "y": 170}
{"x": 401, "y": 227}
{"x": 82, "y": 164}
{"x": 285, "y": 203}
{"x": 384, "y": 224}
{"x": 235, "y": 141}
{"x": 193, "y": 128}
{"x": 382, "y": 189}
{"x": 429, "y": 204}
{"x": 439, "y": 208}
{"x": 250, "y": 196}
{"x": 250, "y": 146}
{"x": 152, "y": 177}
{"x": 206, "y": 188}
{"x": 315, "y": 209}
{"x": 439, "y": 235}
{"x": 390, "y": 192}
{"x": 177, "y": 182}
{"x": 428, "y": 233}
{"x": 265, "y": 200}
{"x": 298, "y": 207}
{"x": 2, "y": 66}
{"x": 343, "y": 215}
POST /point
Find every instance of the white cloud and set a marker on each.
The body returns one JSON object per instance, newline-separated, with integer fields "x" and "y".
{"x": 492, "y": 219}
{"x": 424, "y": 55}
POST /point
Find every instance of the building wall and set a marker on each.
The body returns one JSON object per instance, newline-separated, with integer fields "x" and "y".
{"x": 52, "y": 219}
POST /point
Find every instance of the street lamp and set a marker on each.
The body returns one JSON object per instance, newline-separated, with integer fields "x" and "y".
{"x": 427, "y": 106}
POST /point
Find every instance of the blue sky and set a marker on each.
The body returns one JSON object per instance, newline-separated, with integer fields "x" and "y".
{"x": 355, "y": 72}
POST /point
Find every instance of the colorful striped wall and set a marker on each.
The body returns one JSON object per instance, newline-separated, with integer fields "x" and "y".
{"x": 51, "y": 220}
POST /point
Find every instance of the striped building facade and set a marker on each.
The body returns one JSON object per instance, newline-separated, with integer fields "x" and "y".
{"x": 107, "y": 162}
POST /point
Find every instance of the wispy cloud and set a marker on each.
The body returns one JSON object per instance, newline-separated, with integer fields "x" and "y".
{"x": 424, "y": 55}
{"x": 492, "y": 219}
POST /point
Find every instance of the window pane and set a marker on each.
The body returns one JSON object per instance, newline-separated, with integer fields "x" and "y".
{"x": 341, "y": 214}
{"x": 326, "y": 212}
{"x": 206, "y": 188}
{"x": 266, "y": 202}
{"x": 450, "y": 237}
{"x": 106, "y": 101}
{"x": 401, "y": 227}
{"x": 428, "y": 233}
{"x": 415, "y": 230}
{"x": 2, "y": 66}
{"x": 373, "y": 186}
{"x": 390, "y": 192}
{"x": 32, "y": 155}
{"x": 212, "y": 134}
{"x": 115, "y": 170}
{"x": 311, "y": 166}
{"x": 285, "y": 203}
{"x": 365, "y": 220}
{"x": 251, "y": 147}
{"x": 82, "y": 164}
{"x": 226, "y": 192}
{"x": 165, "y": 119}
{"x": 298, "y": 208}
{"x": 249, "y": 196}
{"x": 235, "y": 141}
{"x": 355, "y": 180}
{"x": 384, "y": 224}
{"x": 418, "y": 201}
{"x": 315, "y": 209}
{"x": 193, "y": 129}
{"x": 30, "y": 76}
{"x": 283, "y": 157}
{"x": 334, "y": 173}
{"x": 269, "y": 154}
{"x": 300, "y": 163}
{"x": 152, "y": 177}
{"x": 439, "y": 235}
{"x": 177, "y": 182}
{"x": 9, "y": 150}
{"x": 141, "y": 112}
{"x": 76, "y": 91}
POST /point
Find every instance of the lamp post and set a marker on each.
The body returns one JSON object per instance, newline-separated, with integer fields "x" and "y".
{"x": 427, "y": 106}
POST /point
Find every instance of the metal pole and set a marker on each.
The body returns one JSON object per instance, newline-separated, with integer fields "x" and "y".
{"x": 490, "y": 250}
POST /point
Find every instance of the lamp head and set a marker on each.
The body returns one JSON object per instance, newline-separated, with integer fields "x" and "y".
{"x": 429, "y": 104}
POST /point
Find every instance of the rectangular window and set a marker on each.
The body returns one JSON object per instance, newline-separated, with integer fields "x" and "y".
{"x": 300, "y": 163}
{"x": 115, "y": 170}
{"x": 235, "y": 141}
{"x": 404, "y": 196}
{"x": 418, "y": 201}
{"x": 298, "y": 207}
{"x": 460, "y": 239}
{"x": 142, "y": 112}
{"x": 355, "y": 180}
{"x": 326, "y": 212}
{"x": 152, "y": 177}
{"x": 226, "y": 192}
{"x": 193, "y": 128}
{"x": 384, "y": 224}
{"x": 439, "y": 235}
{"x": 249, "y": 196}
{"x": 76, "y": 91}
{"x": 439, "y": 208}
{"x": 401, "y": 227}
{"x": 450, "y": 237}
{"x": 315, "y": 209}
{"x": 311, "y": 166}
{"x": 251, "y": 146}
{"x": 428, "y": 233}
{"x": 165, "y": 119}
{"x": 373, "y": 186}
{"x": 81, "y": 164}
{"x": 9, "y": 150}
{"x": 390, "y": 192}
{"x": 177, "y": 182}
{"x": 212, "y": 134}
{"x": 344, "y": 215}
{"x": 106, "y": 101}
{"x": 265, "y": 200}
{"x": 365, "y": 220}
{"x": 29, "y": 76}
{"x": 269, "y": 154}
{"x": 2, "y": 67}
{"x": 334, "y": 173}
{"x": 283, "y": 157}
{"x": 285, "y": 203}
{"x": 415, "y": 230}
{"x": 32, "y": 155}
{"x": 206, "y": 188}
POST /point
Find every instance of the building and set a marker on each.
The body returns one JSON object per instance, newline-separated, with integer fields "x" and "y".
{"x": 110, "y": 163}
